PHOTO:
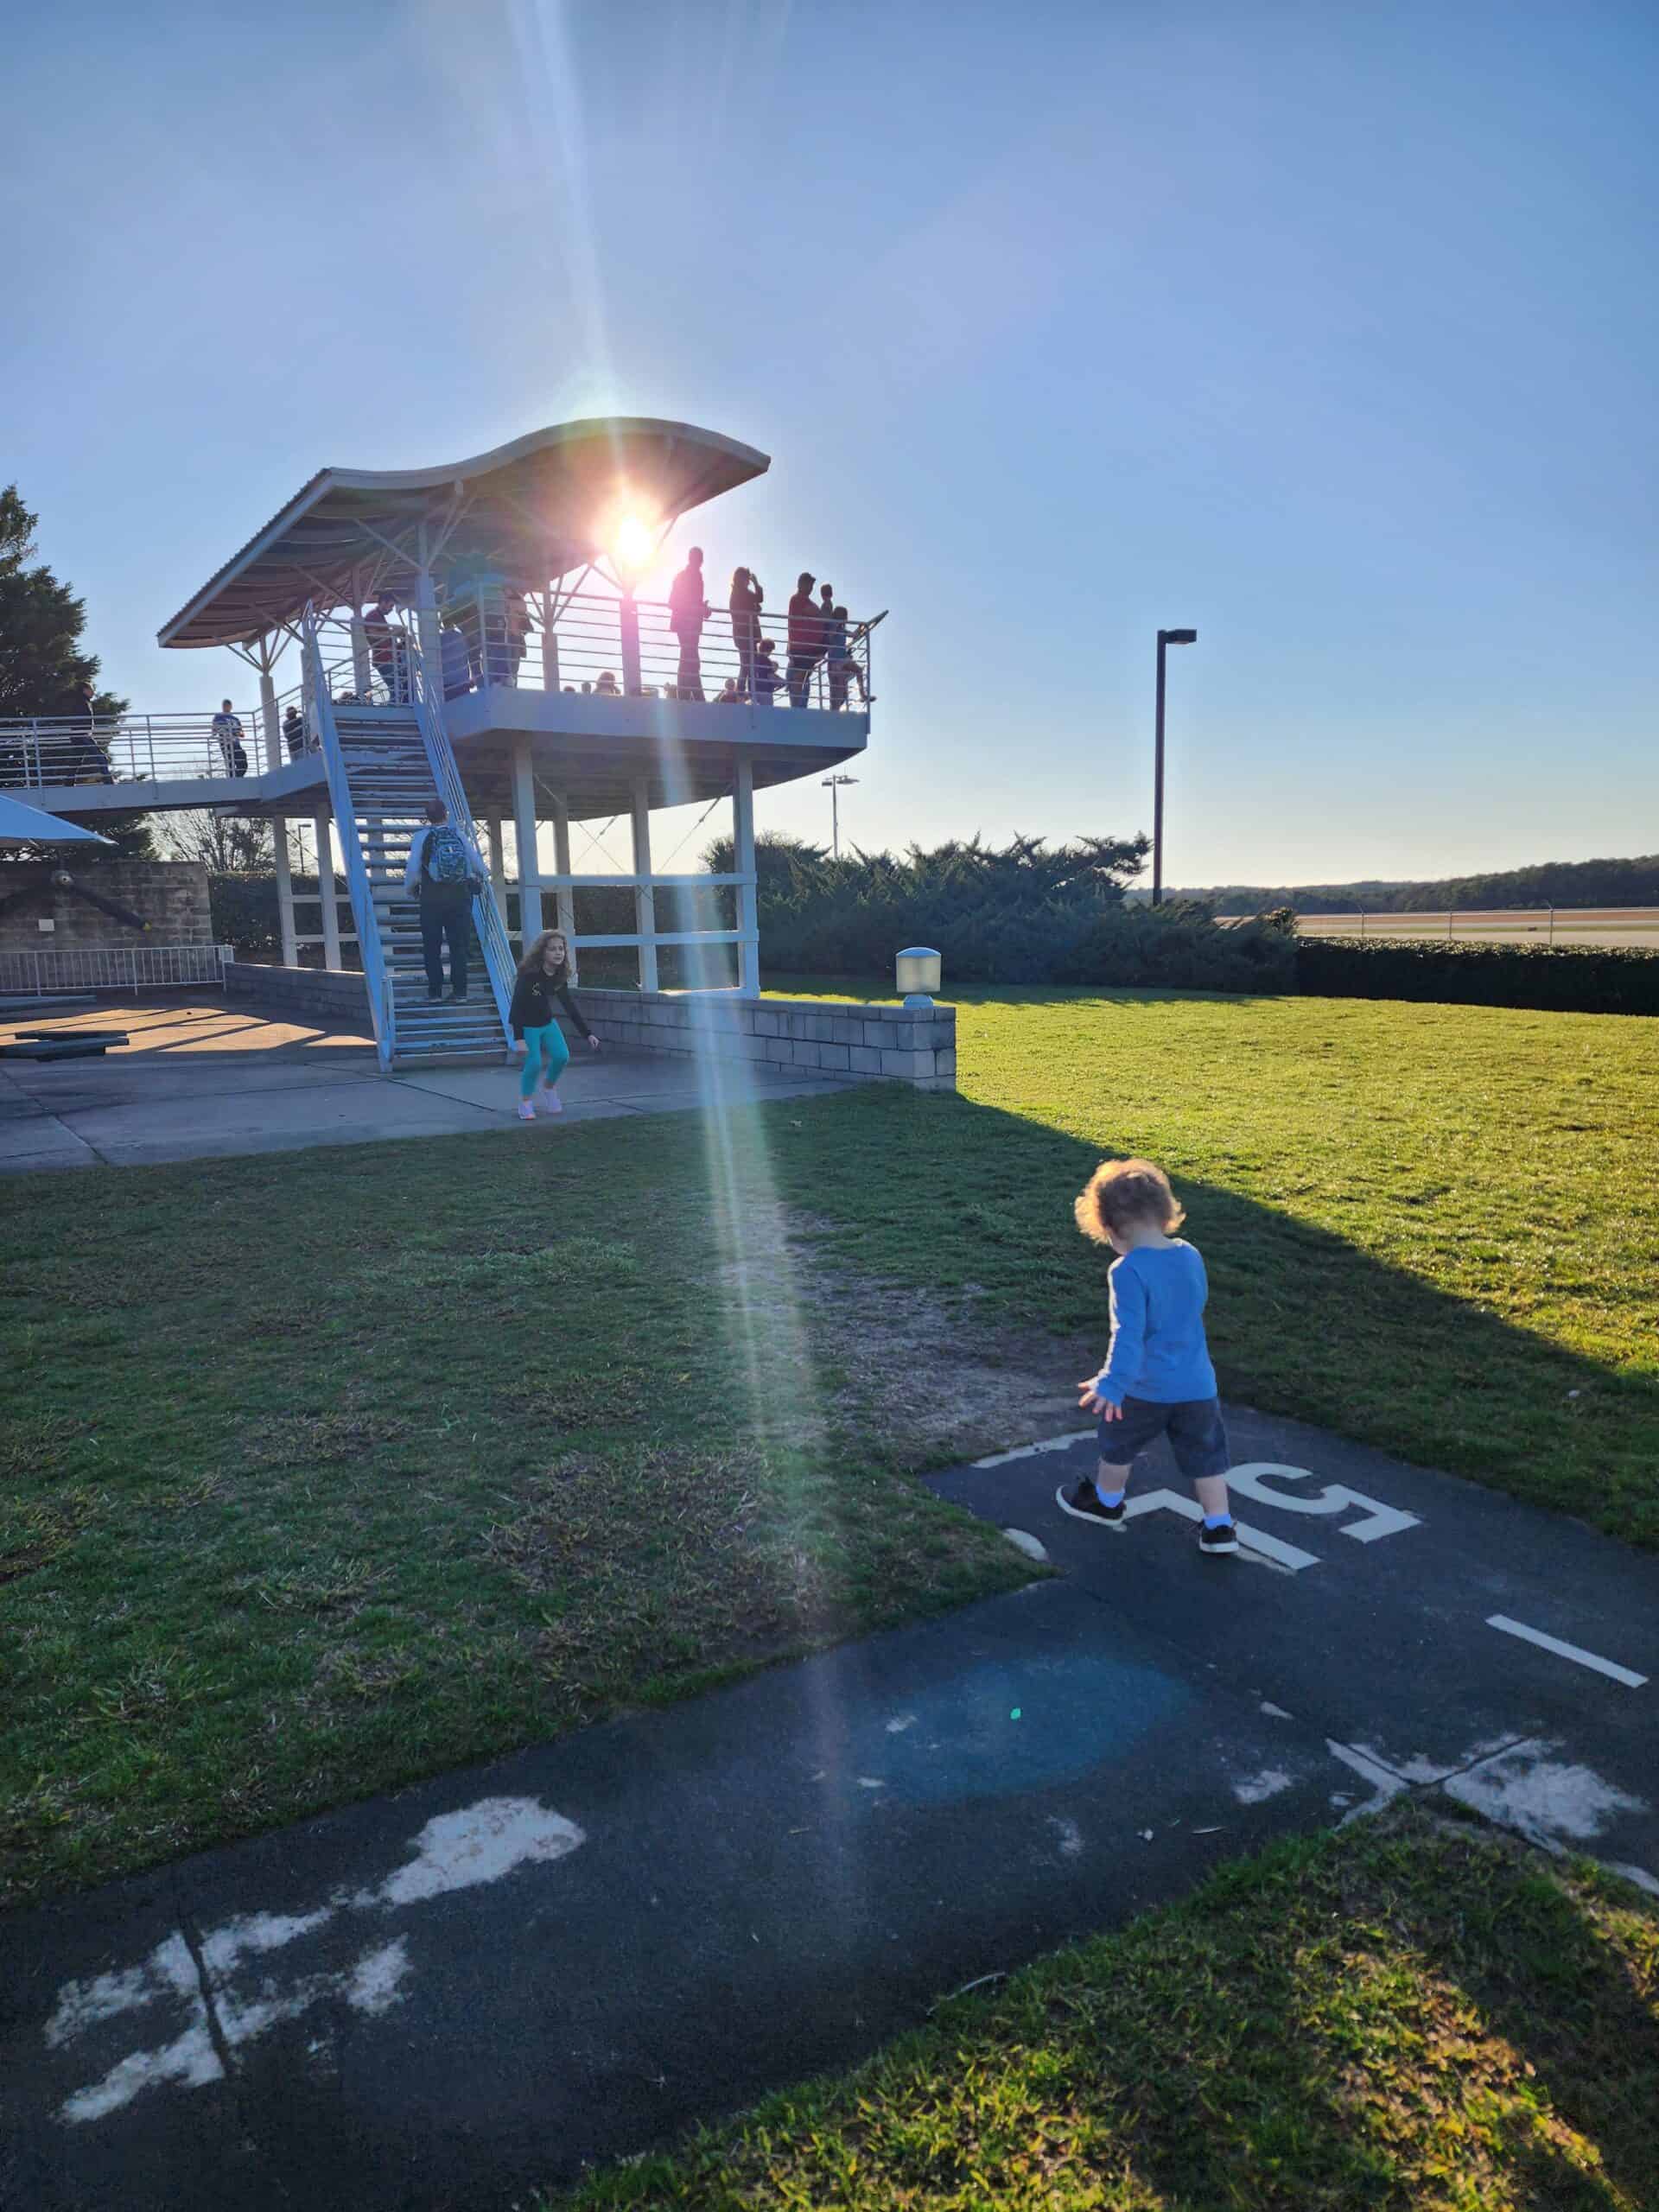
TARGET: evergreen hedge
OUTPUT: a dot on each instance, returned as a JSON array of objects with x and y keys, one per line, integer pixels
[{"x": 1554, "y": 979}]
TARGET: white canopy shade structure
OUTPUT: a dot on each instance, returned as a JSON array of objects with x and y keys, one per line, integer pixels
[
  {"x": 23, "y": 824},
  {"x": 547, "y": 503}
]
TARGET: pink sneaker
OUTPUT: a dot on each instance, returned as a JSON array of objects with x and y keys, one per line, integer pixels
[
  {"x": 552, "y": 1103},
  {"x": 526, "y": 1111}
]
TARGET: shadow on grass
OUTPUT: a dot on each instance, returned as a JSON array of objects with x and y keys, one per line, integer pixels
[{"x": 944, "y": 1191}]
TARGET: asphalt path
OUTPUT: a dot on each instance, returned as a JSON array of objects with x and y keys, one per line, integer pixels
[{"x": 446, "y": 1997}]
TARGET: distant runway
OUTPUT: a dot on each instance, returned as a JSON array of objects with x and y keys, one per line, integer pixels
[{"x": 1603, "y": 926}]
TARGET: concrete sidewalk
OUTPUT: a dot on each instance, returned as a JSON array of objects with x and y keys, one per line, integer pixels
[
  {"x": 448, "y": 1996},
  {"x": 206, "y": 1080}
]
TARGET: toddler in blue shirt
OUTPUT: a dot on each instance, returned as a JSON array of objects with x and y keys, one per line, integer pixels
[{"x": 1157, "y": 1380}]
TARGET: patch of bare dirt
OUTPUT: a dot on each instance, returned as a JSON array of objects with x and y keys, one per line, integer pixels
[{"x": 936, "y": 1375}]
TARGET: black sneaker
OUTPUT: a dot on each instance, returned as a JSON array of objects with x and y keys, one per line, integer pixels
[
  {"x": 1215, "y": 1541},
  {"x": 435, "y": 998},
  {"x": 457, "y": 998},
  {"x": 1084, "y": 1502}
]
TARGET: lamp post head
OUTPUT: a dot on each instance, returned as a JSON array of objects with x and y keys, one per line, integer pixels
[
  {"x": 1177, "y": 637},
  {"x": 916, "y": 971}
]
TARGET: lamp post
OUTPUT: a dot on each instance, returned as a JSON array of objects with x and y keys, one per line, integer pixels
[
  {"x": 832, "y": 784},
  {"x": 1164, "y": 638}
]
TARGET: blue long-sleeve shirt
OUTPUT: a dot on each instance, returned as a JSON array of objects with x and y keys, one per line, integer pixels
[{"x": 1157, "y": 1350}]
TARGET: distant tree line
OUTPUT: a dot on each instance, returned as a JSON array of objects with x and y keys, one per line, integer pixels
[{"x": 1548, "y": 883}]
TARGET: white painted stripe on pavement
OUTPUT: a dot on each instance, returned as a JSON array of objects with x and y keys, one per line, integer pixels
[
  {"x": 1608, "y": 1667},
  {"x": 1253, "y": 1540}
]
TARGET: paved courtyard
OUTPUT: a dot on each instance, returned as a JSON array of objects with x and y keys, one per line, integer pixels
[{"x": 203, "y": 1080}]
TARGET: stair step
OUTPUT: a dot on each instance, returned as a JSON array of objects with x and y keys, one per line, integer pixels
[{"x": 473, "y": 1033}]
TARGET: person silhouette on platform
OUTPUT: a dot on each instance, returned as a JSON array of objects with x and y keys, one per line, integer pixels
[{"x": 688, "y": 610}]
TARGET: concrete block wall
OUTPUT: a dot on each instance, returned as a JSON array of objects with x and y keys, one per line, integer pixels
[
  {"x": 333, "y": 995},
  {"x": 170, "y": 895},
  {"x": 830, "y": 1037}
]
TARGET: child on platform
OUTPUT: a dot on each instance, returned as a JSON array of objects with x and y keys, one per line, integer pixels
[
  {"x": 544, "y": 975},
  {"x": 766, "y": 677},
  {"x": 1157, "y": 1380}
]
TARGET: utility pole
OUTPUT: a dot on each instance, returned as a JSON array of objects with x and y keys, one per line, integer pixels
[{"x": 1164, "y": 638}]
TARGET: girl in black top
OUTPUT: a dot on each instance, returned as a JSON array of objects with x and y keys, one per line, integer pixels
[{"x": 544, "y": 975}]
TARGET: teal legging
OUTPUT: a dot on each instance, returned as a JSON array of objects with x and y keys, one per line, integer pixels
[{"x": 547, "y": 1045}]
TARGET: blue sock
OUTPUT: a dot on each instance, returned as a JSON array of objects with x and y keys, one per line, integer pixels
[
  {"x": 1218, "y": 1520},
  {"x": 1109, "y": 1496}
]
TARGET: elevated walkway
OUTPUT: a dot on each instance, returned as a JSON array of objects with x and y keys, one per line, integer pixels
[{"x": 592, "y": 691}]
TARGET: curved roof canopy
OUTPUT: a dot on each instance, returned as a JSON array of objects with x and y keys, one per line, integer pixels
[{"x": 532, "y": 510}]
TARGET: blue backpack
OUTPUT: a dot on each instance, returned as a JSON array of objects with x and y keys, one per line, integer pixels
[{"x": 445, "y": 858}]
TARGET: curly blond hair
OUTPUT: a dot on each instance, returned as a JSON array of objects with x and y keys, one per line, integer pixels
[{"x": 1124, "y": 1190}]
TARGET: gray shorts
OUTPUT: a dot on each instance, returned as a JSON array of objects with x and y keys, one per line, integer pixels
[{"x": 1197, "y": 1434}]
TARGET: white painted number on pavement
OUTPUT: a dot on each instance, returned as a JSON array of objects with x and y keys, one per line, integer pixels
[{"x": 1381, "y": 1520}]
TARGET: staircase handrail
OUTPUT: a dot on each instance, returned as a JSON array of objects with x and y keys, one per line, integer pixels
[
  {"x": 499, "y": 963},
  {"x": 375, "y": 974}
]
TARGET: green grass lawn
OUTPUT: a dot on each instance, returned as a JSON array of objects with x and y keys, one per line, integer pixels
[
  {"x": 1400, "y": 2018},
  {"x": 1434, "y": 1228},
  {"x": 321, "y": 1471}
]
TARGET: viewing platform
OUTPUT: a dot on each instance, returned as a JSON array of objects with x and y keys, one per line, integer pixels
[
  {"x": 591, "y": 744},
  {"x": 473, "y": 632}
]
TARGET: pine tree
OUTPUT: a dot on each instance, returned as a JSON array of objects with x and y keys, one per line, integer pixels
[{"x": 43, "y": 668}]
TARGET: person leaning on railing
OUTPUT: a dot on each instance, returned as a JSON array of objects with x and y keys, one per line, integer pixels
[
  {"x": 745, "y": 603},
  {"x": 227, "y": 732},
  {"x": 88, "y": 763},
  {"x": 806, "y": 638}
]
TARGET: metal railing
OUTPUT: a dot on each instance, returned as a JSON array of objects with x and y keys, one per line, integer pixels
[
  {"x": 603, "y": 647},
  {"x": 124, "y": 967},
  {"x": 598, "y": 646},
  {"x": 38, "y": 754},
  {"x": 446, "y": 780}
]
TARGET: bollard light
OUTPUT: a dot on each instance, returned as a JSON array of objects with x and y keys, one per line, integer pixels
[{"x": 918, "y": 974}]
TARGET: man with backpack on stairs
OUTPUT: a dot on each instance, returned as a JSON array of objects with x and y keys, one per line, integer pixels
[{"x": 445, "y": 871}]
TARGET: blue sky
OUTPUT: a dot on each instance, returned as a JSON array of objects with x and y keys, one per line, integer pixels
[{"x": 1329, "y": 329}]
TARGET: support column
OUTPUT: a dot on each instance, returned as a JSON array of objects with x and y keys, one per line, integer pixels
[
  {"x": 561, "y": 867},
  {"x": 628, "y": 609},
  {"x": 524, "y": 825},
  {"x": 428, "y": 632},
  {"x": 549, "y": 643},
  {"x": 748, "y": 947},
  {"x": 268, "y": 715},
  {"x": 285, "y": 891},
  {"x": 644, "y": 903},
  {"x": 322, "y": 829},
  {"x": 498, "y": 866}
]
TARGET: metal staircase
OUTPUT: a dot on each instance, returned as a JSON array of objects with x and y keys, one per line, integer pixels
[{"x": 383, "y": 764}]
